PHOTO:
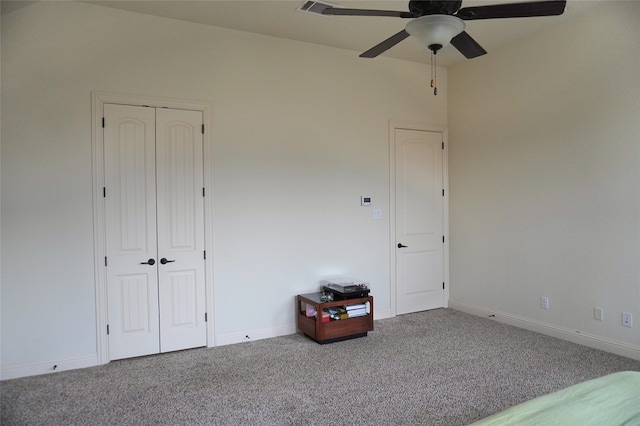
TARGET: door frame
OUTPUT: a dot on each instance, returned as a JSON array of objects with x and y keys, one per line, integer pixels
[
  {"x": 393, "y": 126},
  {"x": 98, "y": 99}
]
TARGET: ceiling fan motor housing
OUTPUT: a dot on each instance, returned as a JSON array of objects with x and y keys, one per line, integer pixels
[
  {"x": 435, "y": 31},
  {"x": 432, "y": 7}
]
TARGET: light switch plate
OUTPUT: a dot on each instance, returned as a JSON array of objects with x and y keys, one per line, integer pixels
[{"x": 598, "y": 314}]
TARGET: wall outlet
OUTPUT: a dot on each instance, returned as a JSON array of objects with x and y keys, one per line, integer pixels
[
  {"x": 544, "y": 302},
  {"x": 627, "y": 319},
  {"x": 598, "y": 314}
]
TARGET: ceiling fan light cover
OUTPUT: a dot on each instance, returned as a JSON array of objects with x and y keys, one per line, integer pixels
[{"x": 435, "y": 31}]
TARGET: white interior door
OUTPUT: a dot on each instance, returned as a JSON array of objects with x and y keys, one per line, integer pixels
[
  {"x": 419, "y": 220},
  {"x": 154, "y": 211},
  {"x": 130, "y": 219},
  {"x": 180, "y": 229}
]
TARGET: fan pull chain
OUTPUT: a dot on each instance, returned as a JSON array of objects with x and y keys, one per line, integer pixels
[
  {"x": 432, "y": 81},
  {"x": 433, "y": 73}
]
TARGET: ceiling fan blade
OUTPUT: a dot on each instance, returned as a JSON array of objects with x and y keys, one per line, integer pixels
[
  {"x": 467, "y": 45},
  {"x": 513, "y": 10},
  {"x": 366, "y": 12},
  {"x": 385, "y": 45}
]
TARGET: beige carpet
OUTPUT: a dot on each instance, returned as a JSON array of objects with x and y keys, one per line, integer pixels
[{"x": 440, "y": 367}]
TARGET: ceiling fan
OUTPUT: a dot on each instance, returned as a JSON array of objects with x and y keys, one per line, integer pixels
[{"x": 438, "y": 23}]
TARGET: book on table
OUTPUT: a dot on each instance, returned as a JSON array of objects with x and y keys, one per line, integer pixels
[
  {"x": 347, "y": 311},
  {"x": 357, "y": 312},
  {"x": 355, "y": 307}
]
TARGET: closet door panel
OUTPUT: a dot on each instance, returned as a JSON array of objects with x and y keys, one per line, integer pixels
[
  {"x": 180, "y": 219},
  {"x": 130, "y": 222}
]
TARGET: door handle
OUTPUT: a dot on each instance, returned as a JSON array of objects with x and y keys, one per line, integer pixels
[
  {"x": 400, "y": 245},
  {"x": 148, "y": 262},
  {"x": 164, "y": 261}
]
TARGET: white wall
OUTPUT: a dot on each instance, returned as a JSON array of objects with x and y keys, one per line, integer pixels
[
  {"x": 300, "y": 132},
  {"x": 545, "y": 180}
]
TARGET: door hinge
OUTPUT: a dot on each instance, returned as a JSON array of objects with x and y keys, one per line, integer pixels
[
  {"x": 205, "y": 254},
  {"x": 103, "y": 122},
  {"x": 107, "y": 329},
  {"x": 105, "y": 261},
  {"x": 443, "y": 192},
  {"x": 203, "y": 129},
  {"x": 104, "y": 192},
  {"x": 203, "y": 192},
  {"x": 442, "y": 145},
  {"x": 205, "y": 317},
  {"x": 443, "y": 286},
  {"x": 443, "y": 238}
]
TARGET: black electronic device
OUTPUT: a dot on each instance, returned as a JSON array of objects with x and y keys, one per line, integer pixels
[{"x": 346, "y": 290}]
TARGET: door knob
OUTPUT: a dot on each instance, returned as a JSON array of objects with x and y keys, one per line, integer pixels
[
  {"x": 400, "y": 245},
  {"x": 164, "y": 261},
  {"x": 148, "y": 262}
]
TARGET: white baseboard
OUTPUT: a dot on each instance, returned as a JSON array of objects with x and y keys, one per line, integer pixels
[
  {"x": 379, "y": 314},
  {"x": 256, "y": 334},
  {"x": 33, "y": 369},
  {"x": 586, "y": 339},
  {"x": 265, "y": 333}
]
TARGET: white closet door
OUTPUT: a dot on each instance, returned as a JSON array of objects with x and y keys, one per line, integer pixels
[
  {"x": 180, "y": 229},
  {"x": 154, "y": 208},
  {"x": 130, "y": 203},
  {"x": 419, "y": 221}
]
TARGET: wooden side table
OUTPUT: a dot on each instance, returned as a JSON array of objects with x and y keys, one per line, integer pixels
[{"x": 333, "y": 330}]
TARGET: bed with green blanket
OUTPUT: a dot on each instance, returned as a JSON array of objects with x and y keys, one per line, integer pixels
[{"x": 607, "y": 401}]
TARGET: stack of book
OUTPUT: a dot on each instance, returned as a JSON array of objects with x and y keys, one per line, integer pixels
[
  {"x": 344, "y": 312},
  {"x": 357, "y": 310}
]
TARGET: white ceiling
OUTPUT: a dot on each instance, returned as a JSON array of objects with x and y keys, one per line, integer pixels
[{"x": 279, "y": 18}]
